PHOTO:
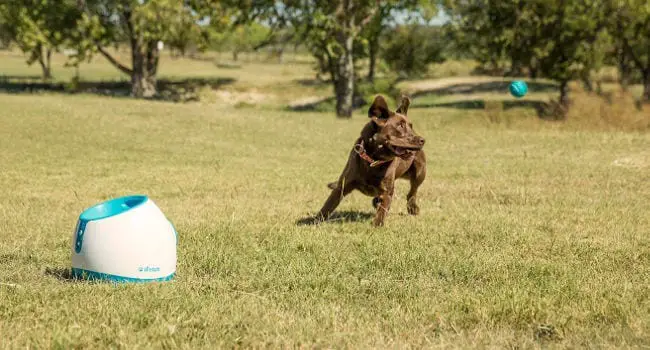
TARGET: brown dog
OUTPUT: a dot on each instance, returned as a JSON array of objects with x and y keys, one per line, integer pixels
[{"x": 387, "y": 149}]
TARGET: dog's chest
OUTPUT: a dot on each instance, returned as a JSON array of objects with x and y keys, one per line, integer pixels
[
  {"x": 369, "y": 190},
  {"x": 371, "y": 183}
]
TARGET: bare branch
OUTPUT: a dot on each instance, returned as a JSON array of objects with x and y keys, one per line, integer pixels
[{"x": 113, "y": 61}]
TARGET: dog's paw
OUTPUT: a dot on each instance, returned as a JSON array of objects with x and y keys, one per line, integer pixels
[{"x": 412, "y": 207}]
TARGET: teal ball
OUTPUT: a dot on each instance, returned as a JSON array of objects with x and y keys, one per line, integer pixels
[{"x": 518, "y": 88}]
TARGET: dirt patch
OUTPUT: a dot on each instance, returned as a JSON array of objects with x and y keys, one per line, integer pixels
[
  {"x": 633, "y": 161},
  {"x": 433, "y": 84},
  {"x": 250, "y": 97}
]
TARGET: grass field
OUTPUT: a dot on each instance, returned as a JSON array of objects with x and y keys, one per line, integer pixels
[{"x": 531, "y": 234}]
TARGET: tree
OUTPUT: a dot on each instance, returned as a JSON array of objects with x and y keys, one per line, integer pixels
[
  {"x": 558, "y": 38},
  {"x": 39, "y": 28},
  {"x": 241, "y": 38},
  {"x": 5, "y": 37},
  {"x": 630, "y": 27},
  {"x": 484, "y": 28},
  {"x": 410, "y": 11},
  {"x": 185, "y": 35},
  {"x": 143, "y": 24},
  {"x": 330, "y": 29},
  {"x": 574, "y": 28},
  {"x": 410, "y": 49}
]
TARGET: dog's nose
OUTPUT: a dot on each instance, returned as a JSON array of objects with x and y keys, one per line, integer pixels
[{"x": 420, "y": 141}]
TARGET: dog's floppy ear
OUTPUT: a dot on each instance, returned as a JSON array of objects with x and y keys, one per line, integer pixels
[
  {"x": 379, "y": 108},
  {"x": 404, "y": 104}
]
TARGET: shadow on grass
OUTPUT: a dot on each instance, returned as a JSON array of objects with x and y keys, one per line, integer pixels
[
  {"x": 63, "y": 274},
  {"x": 228, "y": 65},
  {"x": 338, "y": 217},
  {"x": 480, "y": 104},
  {"x": 312, "y": 105},
  {"x": 312, "y": 82},
  {"x": 169, "y": 89},
  {"x": 484, "y": 87},
  {"x": 29, "y": 78},
  {"x": 322, "y": 104},
  {"x": 327, "y": 104}
]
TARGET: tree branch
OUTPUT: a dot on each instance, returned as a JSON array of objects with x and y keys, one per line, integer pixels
[
  {"x": 113, "y": 61},
  {"x": 368, "y": 18},
  {"x": 83, "y": 6},
  {"x": 270, "y": 37}
]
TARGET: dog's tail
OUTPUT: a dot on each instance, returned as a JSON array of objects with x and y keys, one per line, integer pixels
[{"x": 331, "y": 185}]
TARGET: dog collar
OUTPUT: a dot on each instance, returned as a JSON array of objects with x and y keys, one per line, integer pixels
[{"x": 361, "y": 151}]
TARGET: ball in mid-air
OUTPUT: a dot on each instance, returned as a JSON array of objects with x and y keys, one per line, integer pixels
[{"x": 518, "y": 88}]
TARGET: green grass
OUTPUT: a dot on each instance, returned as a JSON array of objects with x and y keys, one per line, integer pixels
[
  {"x": 270, "y": 83},
  {"x": 531, "y": 235}
]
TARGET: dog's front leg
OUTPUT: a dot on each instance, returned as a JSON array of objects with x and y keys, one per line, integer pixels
[{"x": 387, "y": 189}]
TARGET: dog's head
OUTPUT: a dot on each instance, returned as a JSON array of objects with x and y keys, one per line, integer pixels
[{"x": 393, "y": 130}]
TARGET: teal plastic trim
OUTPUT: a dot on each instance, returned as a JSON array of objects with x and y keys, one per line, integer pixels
[
  {"x": 112, "y": 207},
  {"x": 175, "y": 233},
  {"x": 81, "y": 229},
  {"x": 92, "y": 275},
  {"x": 104, "y": 210}
]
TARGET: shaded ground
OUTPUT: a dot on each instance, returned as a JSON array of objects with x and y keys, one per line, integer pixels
[
  {"x": 462, "y": 93},
  {"x": 169, "y": 89},
  {"x": 483, "y": 87}
]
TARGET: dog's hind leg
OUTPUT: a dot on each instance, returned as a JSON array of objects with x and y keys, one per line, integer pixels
[{"x": 341, "y": 190}]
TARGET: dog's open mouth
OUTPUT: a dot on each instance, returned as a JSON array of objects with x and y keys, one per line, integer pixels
[{"x": 402, "y": 151}]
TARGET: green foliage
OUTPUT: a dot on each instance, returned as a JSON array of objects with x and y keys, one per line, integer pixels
[
  {"x": 39, "y": 27},
  {"x": 561, "y": 39},
  {"x": 630, "y": 28},
  {"x": 386, "y": 87},
  {"x": 577, "y": 25},
  {"x": 243, "y": 38},
  {"x": 410, "y": 49},
  {"x": 169, "y": 21},
  {"x": 483, "y": 28},
  {"x": 340, "y": 32},
  {"x": 143, "y": 25}
]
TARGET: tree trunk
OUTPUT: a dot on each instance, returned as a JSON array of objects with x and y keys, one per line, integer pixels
[
  {"x": 372, "y": 53},
  {"x": 533, "y": 68},
  {"x": 646, "y": 86},
  {"x": 344, "y": 83},
  {"x": 280, "y": 54},
  {"x": 588, "y": 84},
  {"x": 623, "y": 70},
  {"x": 564, "y": 94},
  {"x": 235, "y": 55},
  {"x": 145, "y": 68},
  {"x": 516, "y": 68},
  {"x": 144, "y": 61},
  {"x": 45, "y": 60}
]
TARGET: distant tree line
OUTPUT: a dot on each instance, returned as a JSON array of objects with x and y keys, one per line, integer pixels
[{"x": 563, "y": 40}]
